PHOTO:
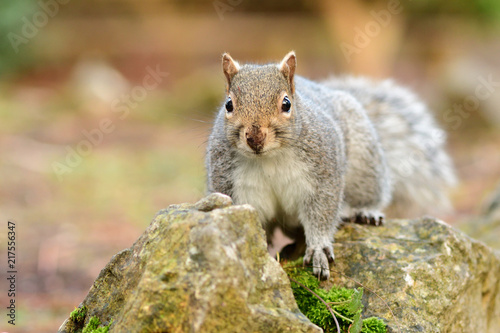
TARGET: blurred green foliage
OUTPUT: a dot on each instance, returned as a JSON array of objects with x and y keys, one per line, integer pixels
[
  {"x": 477, "y": 9},
  {"x": 11, "y": 21},
  {"x": 482, "y": 11}
]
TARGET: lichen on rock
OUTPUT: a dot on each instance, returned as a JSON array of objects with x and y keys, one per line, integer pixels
[
  {"x": 197, "y": 268},
  {"x": 431, "y": 276},
  {"x": 204, "y": 267}
]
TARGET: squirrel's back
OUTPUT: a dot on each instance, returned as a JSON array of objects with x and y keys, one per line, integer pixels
[{"x": 413, "y": 144}]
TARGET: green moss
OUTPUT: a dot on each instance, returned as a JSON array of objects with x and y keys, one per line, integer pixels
[
  {"x": 93, "y": 326},
  {"x": 78, "y": 314},
  {"x": 373, "y": 325},
  {"x": 346, "y": 303}
]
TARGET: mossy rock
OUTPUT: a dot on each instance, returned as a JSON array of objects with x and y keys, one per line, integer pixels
[
  {"x": 420, "y": 276},
  {"x": 329, "y": 307},
  {"x": 197, "y": 268},
  {"x": 205, "y": 268}
]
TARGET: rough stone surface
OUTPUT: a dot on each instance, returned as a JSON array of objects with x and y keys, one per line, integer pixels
[
  {"x": 197, "y": 268},
  {"x": 204, "y": 268},
  {"x": 433, "y": 277}
]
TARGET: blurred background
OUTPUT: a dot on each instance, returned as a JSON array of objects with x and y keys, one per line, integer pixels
[{"x": 105, "y": 107}]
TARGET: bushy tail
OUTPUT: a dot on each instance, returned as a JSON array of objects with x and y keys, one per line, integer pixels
[
  {"x": 421, "y": 179},
  {"x": 413, "y": 144}
]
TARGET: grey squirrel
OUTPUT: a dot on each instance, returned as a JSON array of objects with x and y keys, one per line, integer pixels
[{"x": 306, "y": 154}]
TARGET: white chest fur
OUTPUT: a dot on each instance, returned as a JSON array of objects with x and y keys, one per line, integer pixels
[{"x": 275, "y": 184}]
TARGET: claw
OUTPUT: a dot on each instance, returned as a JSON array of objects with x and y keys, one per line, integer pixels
[
  {"x": 329, "y": 254},
  {"x": 368, "y": 218},
  {"x": 380, "y": 220}
]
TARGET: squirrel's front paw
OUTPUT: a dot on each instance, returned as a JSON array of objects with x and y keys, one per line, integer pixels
[{"x": 320, "y": 258}]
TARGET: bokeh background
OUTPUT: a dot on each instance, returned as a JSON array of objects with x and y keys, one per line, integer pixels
[{"x": 92, "y": 144}]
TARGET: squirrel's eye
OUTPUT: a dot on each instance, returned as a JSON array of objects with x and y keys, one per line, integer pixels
[
  {"x": 229, "y": 105},
  {"x": 286, "y": 105}
]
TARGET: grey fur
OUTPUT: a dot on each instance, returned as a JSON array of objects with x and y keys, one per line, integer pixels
[
  {"x": 349, "y": 146},
  {"x": 413, "y": 144}
]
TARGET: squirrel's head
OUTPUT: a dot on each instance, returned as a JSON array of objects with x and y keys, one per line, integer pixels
[{"x": 259, "y": 107}]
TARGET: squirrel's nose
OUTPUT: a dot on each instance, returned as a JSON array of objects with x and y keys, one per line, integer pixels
[{"x": 255, "y": 137}]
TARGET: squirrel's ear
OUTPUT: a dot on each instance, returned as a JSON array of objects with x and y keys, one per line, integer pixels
[
  {"x": 229, "y": 66},
  {"x": 287, "y": 67}
]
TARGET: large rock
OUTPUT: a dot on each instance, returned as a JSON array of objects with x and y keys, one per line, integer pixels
[
  {"x": 204, "y": 268},
  {"x": 433, "y": 277},
  {"x": 197, "y": 268}
]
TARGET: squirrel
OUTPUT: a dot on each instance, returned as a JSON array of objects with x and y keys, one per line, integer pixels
[{"x": 306, "y": 154}]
